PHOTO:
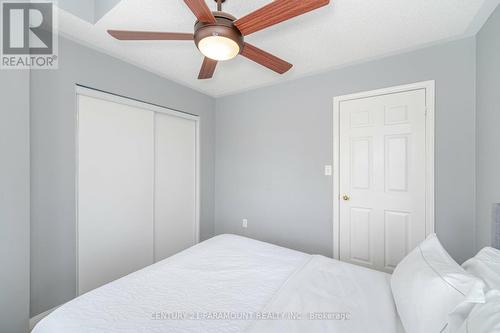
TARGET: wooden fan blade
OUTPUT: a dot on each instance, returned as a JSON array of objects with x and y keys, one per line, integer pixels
[
  {"x": 201, "y": 11},
  {"x": 265, "y": 59},
  {"x": 276, "y": 12},
  {"x": 207, "y": 69},
  {"x": 149, "y": 35}
]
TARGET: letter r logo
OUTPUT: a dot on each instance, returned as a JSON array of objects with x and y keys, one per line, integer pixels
[{"x": 27, "y": 28}]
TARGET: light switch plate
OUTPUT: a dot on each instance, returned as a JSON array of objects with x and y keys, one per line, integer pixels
[
  {"x": 244, "y": 223},
  {"x": 328, "y": 170}
]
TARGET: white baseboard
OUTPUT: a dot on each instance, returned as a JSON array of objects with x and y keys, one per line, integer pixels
[{"x": 37, "y": 318}]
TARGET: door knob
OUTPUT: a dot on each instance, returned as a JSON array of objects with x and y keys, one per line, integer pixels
[{"x": 346, "y": 197}]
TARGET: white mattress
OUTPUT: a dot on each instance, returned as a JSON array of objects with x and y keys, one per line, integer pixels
[{"x": 222, "y": 284}]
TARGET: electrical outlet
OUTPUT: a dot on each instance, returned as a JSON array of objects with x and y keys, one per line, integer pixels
[{"x": 244, "y": 223}]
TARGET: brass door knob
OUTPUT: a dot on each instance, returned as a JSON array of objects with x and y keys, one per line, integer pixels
[{"x": 346, "y": 197}]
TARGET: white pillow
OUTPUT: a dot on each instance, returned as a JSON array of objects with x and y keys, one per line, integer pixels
[
  {"x": 485, "y": 265},
  {"x": 428, "y": 285},
  {"x": 484, "y": 318}
]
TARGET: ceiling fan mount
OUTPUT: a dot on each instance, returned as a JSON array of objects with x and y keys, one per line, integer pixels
[{"x": 220, "y": 36}]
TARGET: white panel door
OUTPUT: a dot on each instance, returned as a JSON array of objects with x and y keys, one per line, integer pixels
[
  {"x": 175, "y": 185},
  {"x": 115, "y": 190},
  {"x": 382, "y": 178}
]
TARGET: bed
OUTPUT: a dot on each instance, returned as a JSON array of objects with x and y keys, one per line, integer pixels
[{"x": 235, "y": 284}]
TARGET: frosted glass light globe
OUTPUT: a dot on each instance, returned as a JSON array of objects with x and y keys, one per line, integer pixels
[{"x": 219, "y": 48}]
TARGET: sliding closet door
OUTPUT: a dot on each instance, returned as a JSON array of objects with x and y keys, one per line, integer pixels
[
  {"x": 175, "y": 189},
  {"x": 115, "y": 190}
]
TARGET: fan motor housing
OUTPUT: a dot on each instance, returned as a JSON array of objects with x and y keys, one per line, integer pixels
[{"x": 224, "y": 28}]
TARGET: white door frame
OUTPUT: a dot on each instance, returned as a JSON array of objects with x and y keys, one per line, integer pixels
[
  {"x": 429, "y": 87},
  {"x": 110, "y": 97}
]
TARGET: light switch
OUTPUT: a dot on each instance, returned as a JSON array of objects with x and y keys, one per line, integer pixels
[
  {"x": 244, "y": 223},
  {"x": 328, "y": 170}
]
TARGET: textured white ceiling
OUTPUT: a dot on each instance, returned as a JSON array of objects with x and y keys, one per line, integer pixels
[{"x": 344, "y": 32}]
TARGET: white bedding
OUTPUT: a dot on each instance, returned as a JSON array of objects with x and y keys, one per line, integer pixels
[
  {"x": 332, "y": 296},
  {"x": 236, "y": 277}
]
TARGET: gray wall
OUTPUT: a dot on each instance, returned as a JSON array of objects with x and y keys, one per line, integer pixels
[
  {"x": 53, "y": 225},
  {"x": 272, "y": 144},
  {"x": 14, "y": 200},
  {"x": 488, "y": 126}
]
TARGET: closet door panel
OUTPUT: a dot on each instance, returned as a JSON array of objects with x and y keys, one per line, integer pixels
[
  {"x": 115, "y": 191},
  {"x": 175, "y": 185}
]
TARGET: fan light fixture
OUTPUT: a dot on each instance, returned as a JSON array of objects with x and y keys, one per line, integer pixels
[
  {"x": 220, "y": 41},
  {"x": 220, "y": 36},
  {"x": 218, "y": 48}
]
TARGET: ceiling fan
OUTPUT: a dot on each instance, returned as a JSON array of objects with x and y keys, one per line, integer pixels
[{"x": 220, "y": 36}]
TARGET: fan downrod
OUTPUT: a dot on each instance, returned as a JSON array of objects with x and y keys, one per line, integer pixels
[{"x": 219, "y": 4}]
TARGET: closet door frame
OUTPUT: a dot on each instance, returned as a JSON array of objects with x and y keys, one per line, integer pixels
[{"x": 111, "y": 97}]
